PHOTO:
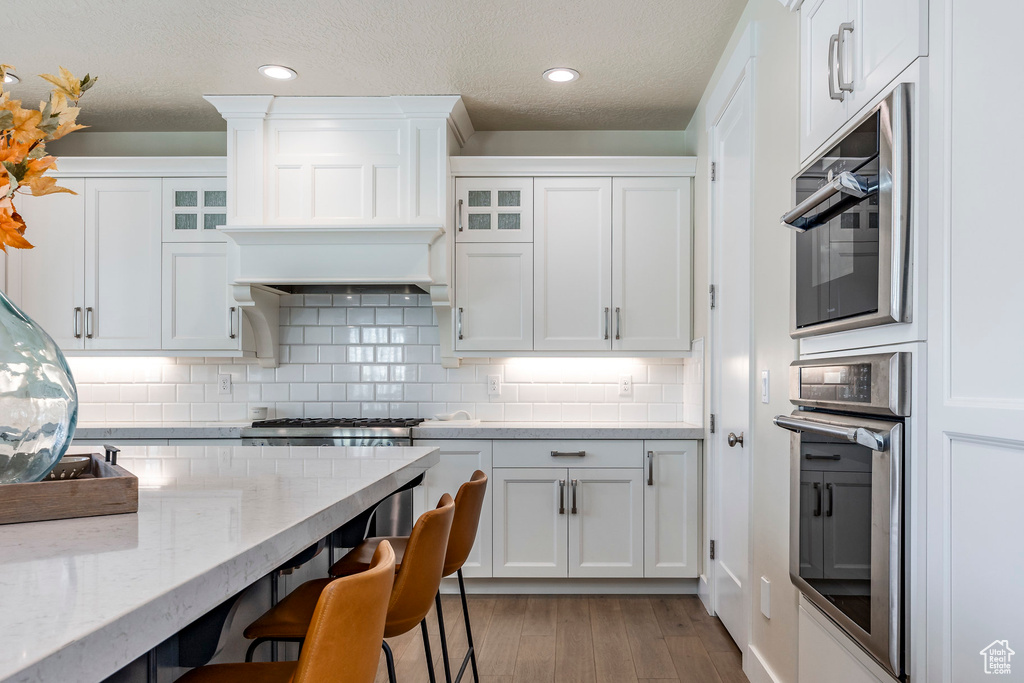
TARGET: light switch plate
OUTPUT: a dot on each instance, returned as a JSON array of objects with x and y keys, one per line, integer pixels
[
  {"x": 764, "y": 386},
  {"x": 626, "y": 385},
  {"x": 494, "y": 385},
  {"x": 766, "y": 597}
]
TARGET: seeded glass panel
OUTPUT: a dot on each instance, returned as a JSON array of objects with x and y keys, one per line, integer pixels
[
  {"x": 186, "y": 221},
  {"x": 212, "y": 221},
  {"x": 186, "y": 198},
  {"x": 479, "y": 197},
  {"x": 508, "y": 221},
  {"x": 215, "y": 198},
  {"x": 479, "y": 221},
  {"x": 508, "y": 198}
]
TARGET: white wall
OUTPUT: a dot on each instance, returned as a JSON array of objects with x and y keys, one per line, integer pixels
[
  {"x": 775, "y": 161},
  {"x": 576, "y": 143},
  {"x": 137, "y": 144}
]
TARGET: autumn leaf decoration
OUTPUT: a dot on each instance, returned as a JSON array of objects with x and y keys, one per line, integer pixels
[{"x": 23, "y": 137}]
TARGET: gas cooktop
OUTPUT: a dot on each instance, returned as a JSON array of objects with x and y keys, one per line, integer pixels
[
  {"x": 337, "y": 423},
  {"x": 359, "y": 431}
]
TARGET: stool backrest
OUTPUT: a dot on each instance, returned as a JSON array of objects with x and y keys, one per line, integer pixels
[
  {"x": 343, "y": 641},
  {"x": 419, "y": 577},
  {"x": 469, "y": 502}
]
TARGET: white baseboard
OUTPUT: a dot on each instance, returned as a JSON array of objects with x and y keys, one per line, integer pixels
[
  {"x": 574, "y": 586},
  {"x": 757, "y": 670}
]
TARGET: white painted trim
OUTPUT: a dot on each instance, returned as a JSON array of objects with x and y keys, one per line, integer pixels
[
  {"x": 141, "y": 167},
  {"x": 792, "y": 5},
  {"x": 470, "y": 166},
  {"x": 573, "y": 586},
  {"x": 360, "y": 233},
  {"x": 757, "y": 670},
  {"x": 732, "y": 75}
]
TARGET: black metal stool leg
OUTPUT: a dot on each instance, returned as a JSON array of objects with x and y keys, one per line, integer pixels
[
  {"x": 426, "y": 651},
  {"x": 389, "y": 658},
  {"x": 444, "y": 638},
  {"x": 469, "y": 632}
]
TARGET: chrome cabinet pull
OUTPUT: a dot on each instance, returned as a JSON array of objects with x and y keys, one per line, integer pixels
[
  {"x": 618, "y": 323},
  {"x": 844, "y": 85},
  {"x": 575, "y": 485},
  {"x": 828, "y": 510},
  {"x": 231, "y": 323},
  {"x": 88, "y": 322},
  {"x": 460, "y": 215},
  {"x": 817, "y": 499},
  {"x": 607, "y": 321},
  {"x": 78, "y": 322},
  {"x": 458, "y": 322},
  {"x": 650, "y": 468},
  {"x": 568, "y": 454},
  {"x": 833, "y": 57},
  {"x": 561, "y": 496}
]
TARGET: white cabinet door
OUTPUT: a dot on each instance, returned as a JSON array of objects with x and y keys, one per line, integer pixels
[
  {"x": 672, "y": 509},
  {"x": 122, "y": 263},
  {"x": 530, "y": 528},
  {"x": 606, "y": 523},
  {"x": 48, "y": 282},
  {"x": 820, "y": 114},
  {"x": 197, "y": 312},
  {"x": 194, "y": 209},
  {"x": 572, "y": 261},
  {"x": 459, "y": 459},
  {"x": 494, "y": 210},
  {"x": 651, "y": 267},
  {"x": 494, "y": 297},
  {"x": 887, "y": 36}
]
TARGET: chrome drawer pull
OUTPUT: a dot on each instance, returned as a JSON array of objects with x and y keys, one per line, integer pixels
[{"x": 568, "y": 454}]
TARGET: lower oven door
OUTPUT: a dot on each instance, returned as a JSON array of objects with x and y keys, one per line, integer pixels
[{"x": 846, "y": 525}]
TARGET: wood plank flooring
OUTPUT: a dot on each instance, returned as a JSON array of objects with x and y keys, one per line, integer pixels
[{"x": 576, "y": 639}]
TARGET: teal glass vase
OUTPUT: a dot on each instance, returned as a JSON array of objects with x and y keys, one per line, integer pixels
[{"x": 38, "y": 399}]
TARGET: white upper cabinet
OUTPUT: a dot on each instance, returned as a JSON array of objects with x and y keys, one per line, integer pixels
[
  {"x": 850, "y": 51},
  {"x": 494, "y": 210},
  {"x": 651, "y": 272},
  {"x": 494, "y": 297},
  {"x": 194, "y": 209},
  {"x": 572, "y": 264},
  {"x": 122, "y": 272},
  {"x": 197, "y": 309}
]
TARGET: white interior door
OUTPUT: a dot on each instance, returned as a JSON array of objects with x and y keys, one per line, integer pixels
[
  {"x": 573, "y": 264},
  {"x": 606, "y": 523},
  {"x": 731, "y": 147}
]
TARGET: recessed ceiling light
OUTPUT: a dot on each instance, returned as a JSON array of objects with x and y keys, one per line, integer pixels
[
  {"x": 561, "y": 75},
  {"x": 10, "y": 79},
  {"x": 278, "y": 73}
]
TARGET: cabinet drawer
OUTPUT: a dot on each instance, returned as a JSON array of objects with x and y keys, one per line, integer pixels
[{"x": 596, "y": 453}]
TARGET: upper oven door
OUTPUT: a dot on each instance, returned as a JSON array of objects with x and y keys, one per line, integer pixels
[
  {"x": 850, "y": 257},
  {"x": 845, "y": 539}
]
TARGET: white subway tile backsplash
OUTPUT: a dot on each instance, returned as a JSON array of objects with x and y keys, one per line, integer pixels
[{"x": 377, "y": 355}]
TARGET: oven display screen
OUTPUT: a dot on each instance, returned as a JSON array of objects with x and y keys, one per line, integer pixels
[{"x": 848, "y": 383}]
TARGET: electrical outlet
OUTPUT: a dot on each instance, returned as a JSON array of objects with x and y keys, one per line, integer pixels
[
  {"x": 494, "y": 385},
  {"x": 626, "y": 385},
  {"x": 764, "y": 386},
  {"x": 223, "y": 384}
]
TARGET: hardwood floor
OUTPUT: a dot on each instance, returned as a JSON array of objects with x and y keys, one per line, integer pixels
[{"x": 577, "y": 639}]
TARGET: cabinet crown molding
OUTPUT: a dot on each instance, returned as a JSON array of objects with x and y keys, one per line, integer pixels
[{"x": 577, "y": 166}]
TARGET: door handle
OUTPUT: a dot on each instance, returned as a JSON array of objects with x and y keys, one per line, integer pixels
[
  {"x": 88, "y": 322},
  {"x": 231, "y": 323},
  {"x": 561, "y": 496},
  {"x": 607, "y": 321},
  {"x": 460, "y": 215},
  {"x": 618, "y": 323},
  {"x": 833, "y": 57},
  {"x": 575, "y": 486},
  {"x": 458, "y": 322},
  {"x": 828, "y": 510},
  {"x": 78, "y": 322},
  {"x": 844, "y": 85},
  {"x": 817, "y": 499},
  {"x": 650, "y": 468},
  {"x": 732, "y": 440}
]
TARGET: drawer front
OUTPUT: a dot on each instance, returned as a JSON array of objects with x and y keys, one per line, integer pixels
[{"x": 595, "y": 453}]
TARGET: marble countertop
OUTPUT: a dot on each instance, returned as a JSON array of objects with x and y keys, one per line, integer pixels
[
  {"x": 83, "y": 597},
  {"x": 559, "y": 430},
  {"x": 160, "y": 430}
]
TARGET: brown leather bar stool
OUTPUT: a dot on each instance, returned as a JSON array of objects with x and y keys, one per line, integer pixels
[
  {"x": 416, "y": 584},
  {"x": 469, "y": 502},
  {"x": 342, "y": 640}
]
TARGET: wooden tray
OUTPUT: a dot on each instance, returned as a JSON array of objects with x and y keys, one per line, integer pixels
[{"x": 104, "y": 489}]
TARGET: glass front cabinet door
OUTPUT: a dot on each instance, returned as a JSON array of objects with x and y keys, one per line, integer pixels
[
  {"x": 194, "y": 209},
  {"x": 494, "y": 209}
]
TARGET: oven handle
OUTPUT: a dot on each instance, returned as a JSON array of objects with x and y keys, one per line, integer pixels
[
  {"x": 846, "y": 182},
  {"x": 859, "y": 435}
]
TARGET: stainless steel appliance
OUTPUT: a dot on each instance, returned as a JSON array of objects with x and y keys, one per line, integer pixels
[
  {"x": 846, "y": 524},
  {"x": 394, "y": 516},
  {"x": 851, "y": 258}
]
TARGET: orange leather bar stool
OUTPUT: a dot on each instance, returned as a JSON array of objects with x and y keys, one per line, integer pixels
[
  {"x": 469, "y": 502},
  {"x": 342, "y": 640},
  {"x": 416, "y": 584}
]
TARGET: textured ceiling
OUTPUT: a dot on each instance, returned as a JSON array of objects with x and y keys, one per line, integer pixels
[{"x": 644, "y": 64}]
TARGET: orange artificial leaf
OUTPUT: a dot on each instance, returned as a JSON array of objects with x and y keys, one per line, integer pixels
[
  {"x": 42, "y": 186},
  {"x": 25, "y": 125},
  {"x": 14, "y": 152},
  {"x": 66, "y": 83},
  {"x": 65, "y": 128},
  {"x": 12, "y": 230}
]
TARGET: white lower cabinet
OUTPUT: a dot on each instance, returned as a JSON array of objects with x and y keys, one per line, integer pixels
[
  {"x": 672, "y": 509},
  {"x": 530, "y": 529},
  {"x": 459, "y": 459},
  {"x": 827, "y": 654},
  {"x": 197, "y": 311},
  {"x": 606, "y": 523}
]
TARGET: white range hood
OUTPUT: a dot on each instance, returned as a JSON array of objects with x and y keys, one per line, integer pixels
[{"x": 340, "y": 190}]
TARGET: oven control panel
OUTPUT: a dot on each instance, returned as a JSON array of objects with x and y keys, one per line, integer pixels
[
  {"x": 878, "y": 384},
  {"x": 847, "y": 382}
]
